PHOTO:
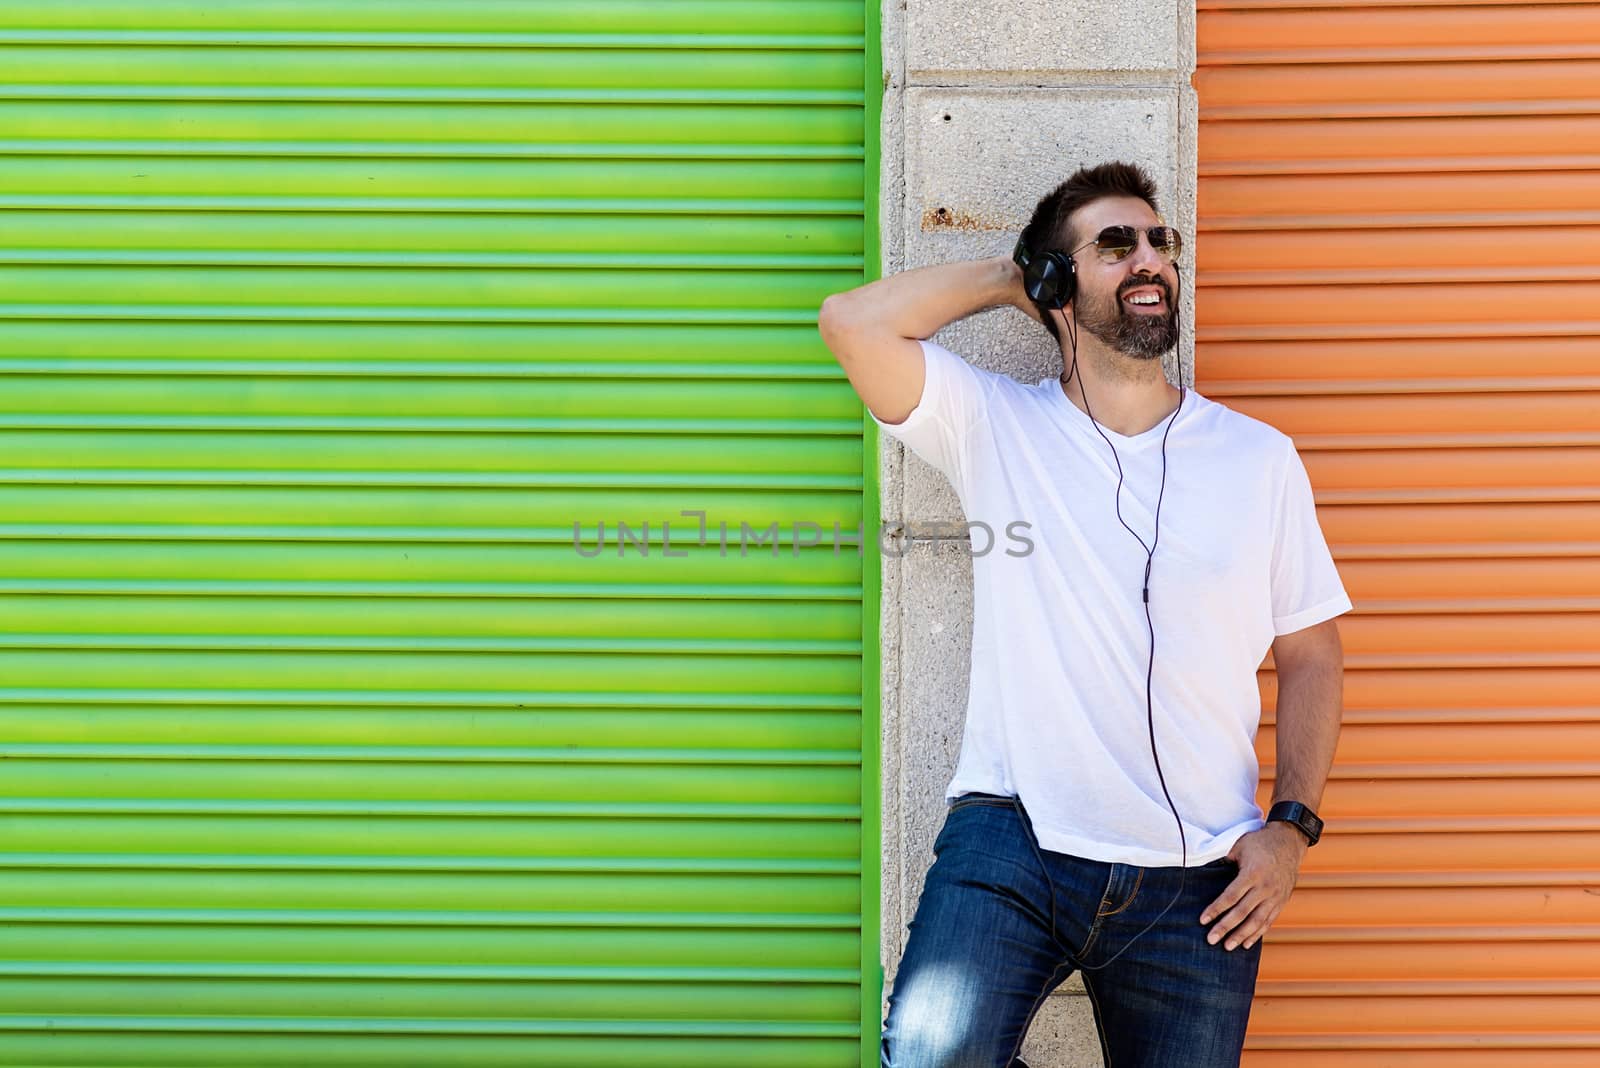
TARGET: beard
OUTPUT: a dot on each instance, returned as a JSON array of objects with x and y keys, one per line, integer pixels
[{"x": 1142, "y": 336}]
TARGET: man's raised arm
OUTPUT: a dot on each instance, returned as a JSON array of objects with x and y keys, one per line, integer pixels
[{"x": 873, "y": 330}]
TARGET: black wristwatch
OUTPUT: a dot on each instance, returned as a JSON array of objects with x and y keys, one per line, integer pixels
[{"x": 1299, "y": 815}]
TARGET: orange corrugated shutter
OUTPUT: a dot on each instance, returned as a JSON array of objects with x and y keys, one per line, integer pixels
[{"x": 1399, "y": 265}]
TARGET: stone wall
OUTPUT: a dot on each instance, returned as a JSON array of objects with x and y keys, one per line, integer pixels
[{"x": 986, "y": 108}]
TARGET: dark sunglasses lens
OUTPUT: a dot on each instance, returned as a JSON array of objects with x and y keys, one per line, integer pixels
[
  {"x": 1167, "y": 242},
  {"x": 1115, "y": 242}
]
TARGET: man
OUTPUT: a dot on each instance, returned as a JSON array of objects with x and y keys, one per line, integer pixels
[{"x": 1102, "y": 817}]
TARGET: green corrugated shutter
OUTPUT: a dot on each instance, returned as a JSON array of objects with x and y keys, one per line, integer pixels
[{"x": 320, "y": 325}]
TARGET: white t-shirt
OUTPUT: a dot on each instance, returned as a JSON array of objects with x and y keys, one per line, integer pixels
[{"x": 1056, "y": 713}]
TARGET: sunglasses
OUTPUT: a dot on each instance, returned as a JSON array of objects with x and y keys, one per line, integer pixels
[{"x": 1116, "y": 243}]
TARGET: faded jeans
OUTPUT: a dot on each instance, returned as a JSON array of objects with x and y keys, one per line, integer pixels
[{"x": 1002, "y": 922}]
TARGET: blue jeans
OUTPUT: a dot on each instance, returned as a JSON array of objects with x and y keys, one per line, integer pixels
[{"x": 1002, "y": 922}]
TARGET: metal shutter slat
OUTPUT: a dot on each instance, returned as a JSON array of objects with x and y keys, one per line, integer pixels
[
  {"x": 1382, "y": 189},
  {"x": 325, "y": 329}
]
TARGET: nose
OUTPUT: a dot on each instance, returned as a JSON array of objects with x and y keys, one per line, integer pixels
[{"x": 1144, "y": 259}]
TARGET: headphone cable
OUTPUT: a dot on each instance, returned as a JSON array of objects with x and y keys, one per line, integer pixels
[{"x": 1149, "y": 680}]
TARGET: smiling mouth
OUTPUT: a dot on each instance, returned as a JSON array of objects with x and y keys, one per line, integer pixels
[{"x": 1146, "y": 301}]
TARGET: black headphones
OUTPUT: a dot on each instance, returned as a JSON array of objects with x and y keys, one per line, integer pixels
[{"x": 1049, "y": 278}]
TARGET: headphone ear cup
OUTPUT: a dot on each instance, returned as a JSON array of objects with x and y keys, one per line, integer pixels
[
  {"x": 1051, "y": 280},
  {"x": 1066, "y": 278},
  {"x": 1038, "y": 281}
]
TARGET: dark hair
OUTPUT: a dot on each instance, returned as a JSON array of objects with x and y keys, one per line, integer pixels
[{"x": 1050, "y": 229}]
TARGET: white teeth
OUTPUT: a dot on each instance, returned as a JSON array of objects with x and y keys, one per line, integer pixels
[{"x": 1146, "y": 299}]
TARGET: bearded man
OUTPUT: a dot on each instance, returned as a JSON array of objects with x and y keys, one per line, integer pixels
[{"x": 1102, "y": 817}]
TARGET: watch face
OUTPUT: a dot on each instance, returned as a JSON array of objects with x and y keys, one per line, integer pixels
[{"x": 1299, "y": 815}]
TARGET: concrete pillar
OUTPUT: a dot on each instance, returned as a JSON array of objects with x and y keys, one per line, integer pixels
[{"x": 987, "y": 108}]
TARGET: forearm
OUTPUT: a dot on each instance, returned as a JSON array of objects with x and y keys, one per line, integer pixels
[
  {"x": 917, "y": 303},
  {"x": 1310, "y": 705},
  {"x": 1310, "y": 667}
]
